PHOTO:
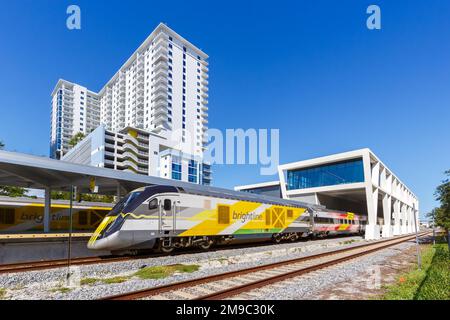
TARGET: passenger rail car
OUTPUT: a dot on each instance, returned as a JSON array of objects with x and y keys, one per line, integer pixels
[
  {"x": 167, "y": 217},
  {"x": 329, "y": 222},
  {"x": 26, "y": 215}
]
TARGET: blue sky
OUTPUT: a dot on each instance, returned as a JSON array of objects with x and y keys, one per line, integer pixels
[{"x": 309, "y": 68}]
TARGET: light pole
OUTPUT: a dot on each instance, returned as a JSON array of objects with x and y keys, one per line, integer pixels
[
  {"x": 69, "y": 244},
  {"x": 419, "y": 259}
]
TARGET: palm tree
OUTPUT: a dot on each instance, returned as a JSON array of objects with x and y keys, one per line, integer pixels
[{"x": 2, "y": 145}]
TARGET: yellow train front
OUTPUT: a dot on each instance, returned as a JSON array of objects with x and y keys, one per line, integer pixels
[{"x": 166, "y": 217}]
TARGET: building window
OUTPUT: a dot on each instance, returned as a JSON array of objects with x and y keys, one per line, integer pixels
[
  {"x": 176, "y": 168},
  {"x": 350, "y": 171},
  {"x": 192, "y": 171}
]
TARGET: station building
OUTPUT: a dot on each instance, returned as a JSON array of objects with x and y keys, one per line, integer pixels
[{"x": 356, "y": 181}]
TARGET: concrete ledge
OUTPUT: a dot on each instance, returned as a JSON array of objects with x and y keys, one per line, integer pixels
[
  {"x": 372, "y": 232},
  {"x": 387, "y": 231}
]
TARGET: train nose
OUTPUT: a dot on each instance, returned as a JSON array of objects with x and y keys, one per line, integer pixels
[{"x": 101, "y": 244}]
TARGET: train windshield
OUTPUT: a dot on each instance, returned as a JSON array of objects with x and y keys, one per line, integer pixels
[{"x": 123, "y": 203}]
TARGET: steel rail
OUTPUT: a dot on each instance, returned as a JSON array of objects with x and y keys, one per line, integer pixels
[
  {"x": 217, "y": 277},
  {"x": 51, "y": 264}
]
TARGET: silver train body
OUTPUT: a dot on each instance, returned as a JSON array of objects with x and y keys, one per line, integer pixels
[{"x": 166, "y": 217}]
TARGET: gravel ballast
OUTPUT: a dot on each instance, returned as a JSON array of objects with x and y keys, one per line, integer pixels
[{"x": 51, "y": 284}]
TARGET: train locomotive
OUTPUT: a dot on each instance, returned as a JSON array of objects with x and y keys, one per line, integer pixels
[{"x": 163, "y": 218}]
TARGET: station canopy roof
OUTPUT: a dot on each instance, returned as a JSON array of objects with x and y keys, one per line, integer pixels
[
  {"x": 28, "y": 171},
  {"x": 23, "y": 170}
]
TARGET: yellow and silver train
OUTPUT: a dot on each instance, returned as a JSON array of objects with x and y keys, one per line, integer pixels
[
  {"x": 19, "y": 215},
  {"x": 166, "y": 217}
]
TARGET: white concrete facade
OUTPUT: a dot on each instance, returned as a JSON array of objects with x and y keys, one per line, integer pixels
[
  {"x": 378, "y": 190},
  {"x": 162, "y": 88}
]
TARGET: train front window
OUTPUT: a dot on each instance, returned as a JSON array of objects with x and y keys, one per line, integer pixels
[{"x": 123, "y": 203}]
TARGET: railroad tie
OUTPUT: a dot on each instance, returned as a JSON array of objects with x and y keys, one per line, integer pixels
[
  {"x": 203, "y": 289},
  {"x": 184, "y": 294}
]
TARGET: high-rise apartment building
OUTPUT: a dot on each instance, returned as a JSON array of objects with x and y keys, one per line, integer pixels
[
  {"x": 161, "y": 88},
  {"x": 74, "y": 109}
]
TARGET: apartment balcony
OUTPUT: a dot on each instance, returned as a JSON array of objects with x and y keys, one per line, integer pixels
[
  {"x": 160, "y": 88},
  {"x": 204, "y": 121},
  {"x": 140, "y": 98},
  {"x": 204, "y": 95},
  {"x": 140, "y": 112},
  {"x": 204, "y": 82},
  {"x": 161, "y": 79},
  {"x": 204, "y": 102},
  {"x": 129, "y": 164},
  {"x": 160, "y": 96},
  {"x": 130, "y": 155},
  {"x": 161, "y": 73},
  {"x": 161, "y": 40},
  {"x": 160, "y": 103},
  {"x": 204, "y": 107},
  {"x": 161, "y": 118},
  {"x": 205, "y": 68},
  {"x": 140, "y": 77},
  {"x": 162, "y": 65},
  {"x": 205, "y": 75},
  {"x": 131, "y": 147},
  {"x": 142, "y": 137},
  {"x": 161, "y": 54},
  {"x": 160, "y": 111}
]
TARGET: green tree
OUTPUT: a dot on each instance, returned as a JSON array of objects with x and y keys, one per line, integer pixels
[
  {"x": 62, "y": 195},
  {"x": 76, "y": 138},
  {"x": 2, "y": 145},
  {"x": 441, "y": 215},
  {"x": 12, "y": 191}
]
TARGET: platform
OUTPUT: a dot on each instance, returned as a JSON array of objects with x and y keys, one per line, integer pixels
[{"x": 15, "y": 248}]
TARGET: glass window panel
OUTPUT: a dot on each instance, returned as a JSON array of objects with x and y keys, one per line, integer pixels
[{"x": 332, "y": 174}]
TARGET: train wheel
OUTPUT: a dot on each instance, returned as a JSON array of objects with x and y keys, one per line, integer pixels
[
  {"x": 164, "y": 249},
  {"x": 294, "y": 237},
  {"x": 277, "y": 238},
  {"x": 206, "y": 245}
]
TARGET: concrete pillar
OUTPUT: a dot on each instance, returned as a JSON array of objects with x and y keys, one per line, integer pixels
[
  {"x": 372, "y": 227},
  {"x": 387, "y": 209},
  {"x": 47, "y": 209},
  {"x": 404, "y": 227},
  {"x": 397, "y": 215}
]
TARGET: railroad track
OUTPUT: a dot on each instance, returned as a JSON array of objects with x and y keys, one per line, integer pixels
[
  {"x": 59, "y": 263},
  {"x": 51, "y": 264},
  {"x": 231, "y": 284}
]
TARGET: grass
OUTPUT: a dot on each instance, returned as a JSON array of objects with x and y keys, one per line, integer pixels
[
  {"x": 91, "y": 281},
  {"x": 2, "y": 293},
  {"x": 348, "y": 241},
  {"x": 115, "y": 280},
  {"x": 432, "y": 282},
  {"x": 159, "y": 272},
  {"x": 61, "y": 290},
  {"x": 88, "y": 281}
]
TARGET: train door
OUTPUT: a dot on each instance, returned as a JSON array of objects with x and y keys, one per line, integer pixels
[{"x": 168, "y": 208}]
